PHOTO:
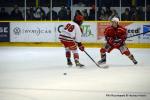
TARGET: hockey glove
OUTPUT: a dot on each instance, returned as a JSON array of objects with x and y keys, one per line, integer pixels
[
  {"x": 81, "y": 47},
  {"x": 110, "y": 40}
]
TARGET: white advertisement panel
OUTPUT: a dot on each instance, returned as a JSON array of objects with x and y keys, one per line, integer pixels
[
  {"x": 32, "y": 32},
  {"x": 133, "y": 29},
  {"x": 58, "y": 27},
  {"x": 138, "y": 28},
  {"x": 89, "y": 31},
  {"x": 92, "y": 31},
  {"x": 145, "y": 38}
]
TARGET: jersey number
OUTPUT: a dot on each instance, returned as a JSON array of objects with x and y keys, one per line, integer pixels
[{"x": 69, "y": 27}]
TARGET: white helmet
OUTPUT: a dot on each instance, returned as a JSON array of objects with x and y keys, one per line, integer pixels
[{"x": 115, "y": 19}]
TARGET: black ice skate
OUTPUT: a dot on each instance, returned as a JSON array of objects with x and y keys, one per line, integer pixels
[
  {"x": 134, "y": 61},
  {"x": 102, "y": 61},
  {"x": 69, "y": 63},
  {"x": 78, "y": 64}
]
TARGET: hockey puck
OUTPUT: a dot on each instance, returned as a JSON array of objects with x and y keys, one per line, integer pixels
[{"x": 65, "y": 73}]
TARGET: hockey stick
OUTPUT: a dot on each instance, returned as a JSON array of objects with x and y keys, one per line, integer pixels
[
  {"x": 138, "y": 34},
  {"x": 91, "y": 59}
]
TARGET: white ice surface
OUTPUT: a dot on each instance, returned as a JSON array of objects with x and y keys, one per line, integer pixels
[{"x": 36, "y": 73}]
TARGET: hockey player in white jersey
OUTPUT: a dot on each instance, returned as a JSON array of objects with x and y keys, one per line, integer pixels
[{"x": 70, "y": 37}]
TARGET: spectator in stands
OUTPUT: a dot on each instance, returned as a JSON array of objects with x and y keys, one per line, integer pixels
[
  {"x": 101, "y": 14},
  {"x": 54, "y": 15},
  {"x": 68, "y": 13},
  {"x": 29, "y": 14},
  {"x": 88, "y": 3},
  {"x": 141, "y": 14},
  {"x": 134, "y": 16},
  {"x": 48, "y": 15},
  {"x": 148, "y": 13},
  {"x": 3, "y": 14},
  {"x": 85, "y": 14},
  {"x": 108, "y": 11},
  {"x": 78, "y": 4},
  {"x": 113, "y": 14},
  {"x": 62, "y": 14},
  {"x": 133, "y": 13},
  {"x": 92, "y": 13},
  {"x": 106, "y": 17},
  {"x": 16, "y": 14},
  {"x": 39, "y": 14},
  {"x": 125, "y": 16}
]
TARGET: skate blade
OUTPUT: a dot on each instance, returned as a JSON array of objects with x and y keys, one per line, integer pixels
[
  {"x": 101, "y": 63},
  {"x": 81, "y": 67},
  {"x": 104, "y": 66},
  {"x": 69, "y": 66}
]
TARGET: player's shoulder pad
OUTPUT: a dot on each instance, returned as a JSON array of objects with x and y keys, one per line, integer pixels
[
  {"x": 108, "y": 28},
  {"x": 122, "y": 28},
  {"x": 76, "y": 25}
]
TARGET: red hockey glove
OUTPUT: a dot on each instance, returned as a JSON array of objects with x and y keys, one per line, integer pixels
[
  {"x": 110, "y": 40},
  {"x": 81, "y": 47}
]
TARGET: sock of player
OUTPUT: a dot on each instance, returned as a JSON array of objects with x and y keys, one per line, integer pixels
[
  {"x": 68, "y": 54},
  {"x": 131, "y": 57},
  {"x": 76, "y": 56},
  {"x": 103, "y": 54}
]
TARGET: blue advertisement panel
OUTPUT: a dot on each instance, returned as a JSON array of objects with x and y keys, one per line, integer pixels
[{"x": 4, "y": 32}]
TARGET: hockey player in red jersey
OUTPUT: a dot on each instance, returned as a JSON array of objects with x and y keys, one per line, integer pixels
[
  {"x": 70, "y": 37},
  {"x": 115, "y": 36}
]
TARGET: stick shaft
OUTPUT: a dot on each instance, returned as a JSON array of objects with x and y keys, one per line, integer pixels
[
  {"x": 138, "y": 34},
  {"x": 91, "y": 58}
]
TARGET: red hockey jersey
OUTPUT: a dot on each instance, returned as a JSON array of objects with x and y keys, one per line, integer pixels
[{"x": 118, "y": 33}]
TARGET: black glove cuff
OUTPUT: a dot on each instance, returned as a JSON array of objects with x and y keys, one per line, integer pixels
[{"x": 79, "y": 44}]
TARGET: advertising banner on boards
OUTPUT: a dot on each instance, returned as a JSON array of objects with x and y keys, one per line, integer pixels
[
  {"x": 32, "y": 32},
  {"x": 4, "y": 32}
]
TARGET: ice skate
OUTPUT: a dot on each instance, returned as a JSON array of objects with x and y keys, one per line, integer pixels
[
  {"x": 102, "y": 61},
  {"x": 69, "y": 63},
  {"x": 134, "y": 61},
  {"x": 78, "y": 64}
]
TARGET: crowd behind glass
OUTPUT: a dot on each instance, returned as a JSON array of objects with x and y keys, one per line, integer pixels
[{"x": 101, "y": 10}]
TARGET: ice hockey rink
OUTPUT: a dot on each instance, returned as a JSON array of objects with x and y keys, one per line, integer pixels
[{"x": 37, "y": 73}]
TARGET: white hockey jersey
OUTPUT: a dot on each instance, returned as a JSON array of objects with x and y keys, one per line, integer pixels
[{"x": 71, "y": 32}]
